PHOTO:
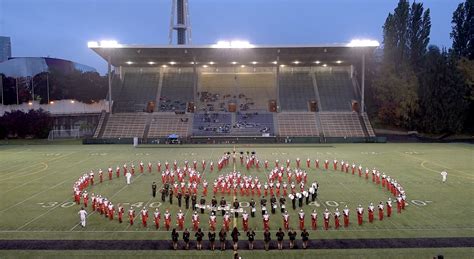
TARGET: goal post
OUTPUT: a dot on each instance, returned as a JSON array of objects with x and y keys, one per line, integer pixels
[{"x": 63, "y": 134}]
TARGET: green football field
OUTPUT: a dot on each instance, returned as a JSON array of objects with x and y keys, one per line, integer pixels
[{"x": 36, "y": 190}]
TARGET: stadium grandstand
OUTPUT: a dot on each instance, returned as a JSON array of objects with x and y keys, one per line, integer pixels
[{"x": 242, "y": 90}]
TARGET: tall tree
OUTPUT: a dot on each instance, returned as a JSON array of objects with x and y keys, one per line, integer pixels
[
  {"x": 419, "y": 34},
  {"x": 463, "y": 30},
  {"x": 442, "y": 94}
]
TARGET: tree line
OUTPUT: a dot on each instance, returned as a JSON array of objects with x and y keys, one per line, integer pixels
[
  {"x": 19, "y": 124},
  {"x": 417, "y": 86}
]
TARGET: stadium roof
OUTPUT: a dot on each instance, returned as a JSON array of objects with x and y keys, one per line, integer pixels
[{"x": 258, "y": 55}]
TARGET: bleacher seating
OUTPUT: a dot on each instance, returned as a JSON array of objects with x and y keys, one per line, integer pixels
[
  {"x": 341, "y": 124},
  {"x": 370, "y": 130},
  {"x": 253, "y": 124},
  {"x": 165, "y": 124},
  {"x": 216, "y": 91},
  {"x": 297, "y": 124},
  {"x": 137, "y": 90},
  {"x": 335, "y": 91},
  {"x": 212, "y": 124},
  {"x": 255, "y": 90},
  {"x": 176, "y": 91},
  {"x": 125, "y": 125},
  {"x": 296, "y": 89}
]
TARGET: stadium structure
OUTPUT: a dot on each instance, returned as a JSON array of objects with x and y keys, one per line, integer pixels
[{"x": 236, "y": 91}]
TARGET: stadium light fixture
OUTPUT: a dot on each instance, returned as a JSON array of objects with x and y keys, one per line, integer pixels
[
  {"x": 239, "y": 44},
  {"x": 254, "y": 62},
  {"x": 52, "y": 102},
  {"x": 233, "y": 62},
  {"x": 151, "y": 63},
  {"x": 72, "y": 101},
  {"x": 363, "y": 43},
  {"x": 172, "y": 63},
  {"x": 339, "y": 61},
  {"x": 325, "y": 65},
  {"x": 164, "y": 66},
  {"x": 204, "y": 66},
  {"x": 242, "y": 66},
  {"x": 317, "y": 61},
  {"x": 211, "y": 63},
  {"x": 30, "y": 103},
  {"x": 296, "y": 62},
  {"x": 282, "y": 65},
  {"x": 129, "y": 62},
  {"x": 275, "y": 62},
  {"x": 103, "y": 44},
  {"x": 192, "y": 62}
]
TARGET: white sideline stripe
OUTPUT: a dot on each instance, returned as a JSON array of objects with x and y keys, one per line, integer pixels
[
  {"x": 31, "y": 197},
  {"x": 258, "y": 231},
  {"x": 48, "y": 211},
  {"x": 115, "y": 194}
]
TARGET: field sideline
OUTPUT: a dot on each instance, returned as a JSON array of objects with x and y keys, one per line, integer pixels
[{"x": 36, "y": 186}]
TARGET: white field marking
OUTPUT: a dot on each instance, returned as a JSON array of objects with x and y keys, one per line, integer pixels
[
  {"x": 48, "y": 211},
  {"x": 258, "y": 231},
  {"x": 138, "y": 214},
  {"x": 45, "y": 175},
  {"x": 23, "y": 168},
  {"x": 13, "y": 173},
  {"x": 50, "y": 188},
  {"x": 31, "y": 197},
  {"x": 440, "y": 165},
  {"x": 115, "y": 194}
]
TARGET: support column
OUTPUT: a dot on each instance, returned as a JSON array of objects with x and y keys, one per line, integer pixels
[
  {"x": 195, "y": 82},
  {"x": 109, "y": 71},
  {"x": 277, "y": 85},
  {"x": 47, "y": 86},
  {"x": 1, "y": 86},
  {"x": 16, "y": 85},
  {"x": 362, "y": 104}
]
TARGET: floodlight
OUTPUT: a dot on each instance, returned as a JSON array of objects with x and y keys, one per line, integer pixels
[
  {"x": 52, "y": 102},
  {"x": 233, "y": 62},
  {"x": 363, "y": 43},
  {"x": 211, "y": 63},
  {"x": 30, "y": 103},
  {"x": 282, "y": 65},
  {"x": 254, "y": 62},
  {"x": 317, "y": 61},
  {"x": 92, "y": 44},
  {"x": 339, "y": 62},
  {"x": 129, "y": 62},
  {"x": 275, "y": 62},
  {"x": 164, "y": 66},
  {"x": 233, "y": 44},
  {"x": 172, "y": 63},
  {"x": 204, "y": 66},
  {"x": 296, "y": 62},
  {"x": 151, "y": 63},
  {"x": 242, "y": 66},
  {"x": 325, "y": 65},
  {"x": 72, "y": 101}
]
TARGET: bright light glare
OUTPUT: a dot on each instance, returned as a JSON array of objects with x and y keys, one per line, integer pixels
[
  {"x": 30, "y": 103},
  {"x": 204, "y": 66},
  {"x": 254, "y": 62},
  {"x": 296, "y": 62},
  {"x": 317, "y": 62},
  {"x": 151, "y": 63},
  {"x": 363, "y": 43},
  {"x": 242, "y": 66},
  {"x": 282, "y": 65},
  {"x": 72, "y": 101},
  {"x": 211, "y": 63},
  {"x": 164, "y": 66},
  {"x": 104, "y": 44},
  {"x": 339, "y": 62},
  {"x": 172, "y": 63},
  {"x": 129, "y": 62},
  {"x": 233, "y": 44},
  {"x": 325, "y": 65},
  {"x": 275, "y": 62},
  {"x": 233, "y": 62}
]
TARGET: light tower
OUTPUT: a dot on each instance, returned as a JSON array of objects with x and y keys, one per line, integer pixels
[{"x": 182, "y": 22}]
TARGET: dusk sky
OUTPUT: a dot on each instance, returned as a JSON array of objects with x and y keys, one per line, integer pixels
[{"x": 62, "y": 28}]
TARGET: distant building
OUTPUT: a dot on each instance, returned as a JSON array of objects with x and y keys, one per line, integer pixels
[
  {"x": 5, "y": 48},
  {"x": 31, "y": 66}
]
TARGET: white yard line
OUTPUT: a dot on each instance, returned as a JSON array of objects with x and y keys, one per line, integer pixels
[
  {"x": 31, "y": 197},
  {"x": 48, "y": 211}
]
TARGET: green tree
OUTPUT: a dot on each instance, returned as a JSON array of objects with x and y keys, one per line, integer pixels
[
  {"x": 419, "y": 34},
  {"x": 463, "y": 30},
  {"x": 442, "y": 94}
]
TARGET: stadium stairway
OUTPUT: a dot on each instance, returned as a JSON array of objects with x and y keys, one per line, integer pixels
[{"x": 99, "y": 130}]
